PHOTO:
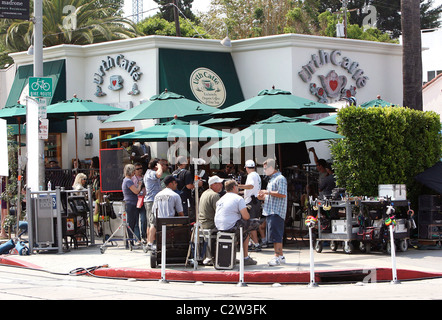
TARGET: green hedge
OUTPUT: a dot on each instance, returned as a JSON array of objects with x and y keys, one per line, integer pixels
[{"x": 388, "y": 145}]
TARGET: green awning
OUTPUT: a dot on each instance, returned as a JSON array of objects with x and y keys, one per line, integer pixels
[
  {"x": 204, "y": 76},
  {"x": 54, "y": 69}
]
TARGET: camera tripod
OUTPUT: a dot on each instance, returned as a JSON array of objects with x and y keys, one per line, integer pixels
[{"x": 128, "y": 241}]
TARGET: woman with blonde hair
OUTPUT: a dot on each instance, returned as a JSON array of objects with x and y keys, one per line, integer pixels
[{"x": 80, "y": 181}]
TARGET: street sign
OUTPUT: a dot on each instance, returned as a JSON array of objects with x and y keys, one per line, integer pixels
[
  {"x": 40, "y": 87},
  {"x": 43, "y": 129},
  {"x": 42, "y": 110},
  {"x": 10, "y": 9}
]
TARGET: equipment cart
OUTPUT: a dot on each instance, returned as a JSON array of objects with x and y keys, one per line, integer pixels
[
  {"x": 361, "y": 224},
  {"x": 373, "y": 220},
  {"x": 178, "y": 236},
  {"x": 336, "y": 224}
]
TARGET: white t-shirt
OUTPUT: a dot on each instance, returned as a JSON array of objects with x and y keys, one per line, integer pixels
[
  {"x": 228, "y": 209},
  {"x": 254, "y": 179},
  {"x": 168, "y": 203}
]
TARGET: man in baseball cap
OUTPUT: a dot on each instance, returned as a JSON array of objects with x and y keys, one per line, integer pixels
[
  {"x": 207, "y": 205},
  {"x": 251, "y": 188},
  {"x": 215, "y": 179},
  {"x": 250, "y": 164},
  {"x": 206, "y": 211}
]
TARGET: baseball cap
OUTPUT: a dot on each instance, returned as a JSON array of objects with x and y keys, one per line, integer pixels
[
  {"x": 215, "y": 179},
  {"x": 250, "y": 164},
  {"x": 169, "y": 179}
]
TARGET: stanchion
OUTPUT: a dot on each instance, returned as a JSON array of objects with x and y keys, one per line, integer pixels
[
  {"x": 390, "y": 220},
  {"x": 195, "y": 241},
  {"x": 163, "y": 254},
  {"x": 310, "y": 222},
  {"x": 241, "y": 282}
]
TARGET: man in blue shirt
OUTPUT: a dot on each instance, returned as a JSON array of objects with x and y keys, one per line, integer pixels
[
  {"x": 274, "y": 208},
  {"x": 153, "y": 186}
]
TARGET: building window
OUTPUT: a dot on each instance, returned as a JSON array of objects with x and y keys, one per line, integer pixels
[
  {"x": 52, "y": 149},
  {"x": 111, "y": 133}
]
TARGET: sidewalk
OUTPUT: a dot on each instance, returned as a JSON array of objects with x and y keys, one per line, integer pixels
[{"x": 328, "y": 266}]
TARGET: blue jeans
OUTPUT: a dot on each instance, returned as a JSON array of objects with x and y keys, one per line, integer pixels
[
  {"x": 141, "y": 226},
  {"x": 133, "y": 215}
]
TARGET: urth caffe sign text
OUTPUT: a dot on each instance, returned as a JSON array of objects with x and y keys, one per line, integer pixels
[
  {"x": 116, "y": 81},
  {"x": 333, "y": 86}
]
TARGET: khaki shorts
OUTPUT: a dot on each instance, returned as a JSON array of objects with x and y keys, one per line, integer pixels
[{"x": 149, "y": 214}]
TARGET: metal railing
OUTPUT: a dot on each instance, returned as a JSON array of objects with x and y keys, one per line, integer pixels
[{"x": 65, "y": 177}]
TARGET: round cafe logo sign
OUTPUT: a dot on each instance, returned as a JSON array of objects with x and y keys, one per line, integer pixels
[{"x": 208, "y": 87}]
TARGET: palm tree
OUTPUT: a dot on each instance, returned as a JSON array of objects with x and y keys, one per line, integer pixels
[
  {"x": 69, "y": 22},
  {"x": 412, "y": 54}
]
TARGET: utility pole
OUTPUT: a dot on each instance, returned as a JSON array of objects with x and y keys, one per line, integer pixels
[
  {"x": 177, "y": 18},
  {"x": 35, "y": 164},
  {"x": 411, "y": 54},
  {"x": 345, "y": 4}
]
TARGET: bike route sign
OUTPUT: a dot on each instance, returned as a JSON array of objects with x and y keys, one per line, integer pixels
[{"x": 40, "y": 87}]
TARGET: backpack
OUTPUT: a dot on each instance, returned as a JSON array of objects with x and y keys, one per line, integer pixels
[{"x": 177, "y": 175}]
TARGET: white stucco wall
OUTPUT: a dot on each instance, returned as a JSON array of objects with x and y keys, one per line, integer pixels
[
  {"x": 264, "y": 62},
  {"x": 432, "y": 96},
  {"x": 6, "y": 79}
]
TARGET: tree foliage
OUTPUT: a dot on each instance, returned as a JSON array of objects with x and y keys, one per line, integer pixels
[
  {"x": 166, "y": 11},
  {"x": 328, "y": 21},
  {"x": 158, "y": 26},
  {"x": 253, "y": 18}
]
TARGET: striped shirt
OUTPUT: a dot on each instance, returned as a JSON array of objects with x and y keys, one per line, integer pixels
[{"x": 274, "y": 205}]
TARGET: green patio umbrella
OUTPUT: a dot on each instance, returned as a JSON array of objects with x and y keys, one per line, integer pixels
[
  {"x": 163, "y": 106},
  {"x": 276, "y": 130},
  {"x": 275, "y": 101},
  {"x": 331, "y": 120},
  {"x": 167, "y": 131},
  {"x": 327, "y": 121},
  {"x": 13, "y": 114},
  {"x": 378, "y": 102},
  {"x": 78, "y": 107}
]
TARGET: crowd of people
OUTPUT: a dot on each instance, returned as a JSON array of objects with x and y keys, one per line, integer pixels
[{"x": 225, "y": 204}]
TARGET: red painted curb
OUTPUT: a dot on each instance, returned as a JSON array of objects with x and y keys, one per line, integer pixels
[
  {"x": 11, "y": 261},
  {"x": 381, "y": 274},
  {"x": 323, "y": 276}
]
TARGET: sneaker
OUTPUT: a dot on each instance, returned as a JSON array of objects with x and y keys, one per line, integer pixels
[
  {"x": 282, "y": 259},
  {"x": 249, "y": 261},
  {"x": 275, "y": 261},
  {"x": 208, "y": 262},
  {"x": 255, "y": 248}
]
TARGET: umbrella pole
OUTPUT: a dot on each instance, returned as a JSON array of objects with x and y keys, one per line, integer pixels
[
  {"x": 280, "y": 157},
  {"x": 76, "y": 142}
]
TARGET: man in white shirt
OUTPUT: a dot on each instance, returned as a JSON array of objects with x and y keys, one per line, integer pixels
[
  {"x": 231, "y": 214},
  {"x": 251, "y": 188},
  {"x": 167, "y": 203}
]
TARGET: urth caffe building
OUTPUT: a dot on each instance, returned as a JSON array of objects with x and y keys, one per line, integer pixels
[{"x": 127, "y": 72}]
